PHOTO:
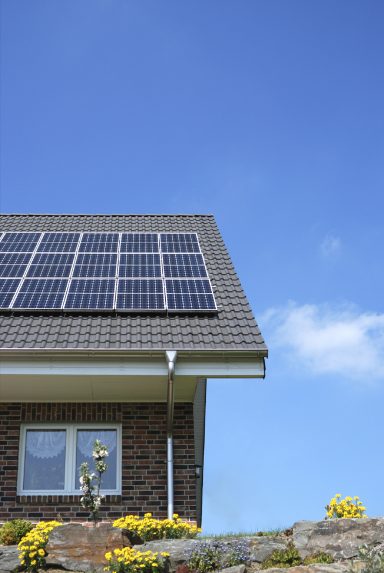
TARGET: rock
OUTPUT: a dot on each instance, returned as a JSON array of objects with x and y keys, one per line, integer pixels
[
  {"x": 340, "y": 538},
  {"x": 77, "y": 548},
  {"x": 178, "y": 549},
  {"x": 234, "y": 569},
  {"x": 262, "y": 547},
  {"x": 340, "y": 567},
  {"x": 9, "y": 558}
]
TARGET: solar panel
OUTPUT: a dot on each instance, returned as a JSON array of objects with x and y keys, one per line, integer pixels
[
  {"x": 139, "y": 243},
  {"x": 99, "y": 242},
  {"x": 40, "y": 294},
  {"x": 132, "y": 272},
  {"x": 90, "y": 293},
  {"x": 184, "y": 265},
  {"x": 10, "y": 271},
  {"x": 19, "y": 242},
  {"x": 190, "y": 295},
  {"x": 95, "y": 265},
  {"x": 139, "y": 265},
  {"x": 8, "y": 287},
  {"x": 179, "y": 243},
  {"x": 59, "y": 242},
  {"x": 140, "y": 294}
]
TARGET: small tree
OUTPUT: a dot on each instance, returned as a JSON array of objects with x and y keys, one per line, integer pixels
[{"x": 90, "y": 483}]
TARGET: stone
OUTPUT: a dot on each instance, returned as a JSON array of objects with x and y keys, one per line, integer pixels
[
  {"x": 9, "y": 558},
  {"x": 178, "y": 549},
  {"x": 234, "y": 569},
  {"x": 262, "y": 547},
  {"x": 340, "y": 538},
  {"x": 339, "y": 567},
  {"x": 78, "y": 548}
]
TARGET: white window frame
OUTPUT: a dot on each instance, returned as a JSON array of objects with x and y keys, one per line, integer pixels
[{"x": 70, "y": 458}]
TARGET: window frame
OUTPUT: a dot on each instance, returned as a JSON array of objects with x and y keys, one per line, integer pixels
[{"x": 70, "y": 457}]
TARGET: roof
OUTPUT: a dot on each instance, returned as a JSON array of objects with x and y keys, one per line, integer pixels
[{"x": 233, "y": 328}]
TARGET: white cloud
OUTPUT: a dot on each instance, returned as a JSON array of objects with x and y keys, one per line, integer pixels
[
  {"x": 327, "y": 340},
  {"x": 330, "y": 246}
]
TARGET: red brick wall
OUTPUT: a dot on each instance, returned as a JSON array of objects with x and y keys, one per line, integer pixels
[{"x": 144, "y": 471}]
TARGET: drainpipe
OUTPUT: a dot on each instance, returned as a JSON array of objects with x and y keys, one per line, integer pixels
[{"x": 171, "y": 359}]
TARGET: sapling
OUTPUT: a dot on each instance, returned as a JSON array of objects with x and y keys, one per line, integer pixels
[{"x": 90, "y": 483}]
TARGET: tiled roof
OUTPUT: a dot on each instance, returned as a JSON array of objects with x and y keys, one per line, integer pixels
[{"x": 233, "y": 328}]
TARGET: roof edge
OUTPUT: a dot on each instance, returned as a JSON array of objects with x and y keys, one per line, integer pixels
[
  {"x": 107, "y": 215},
  {"x": 225, "y": 352}
]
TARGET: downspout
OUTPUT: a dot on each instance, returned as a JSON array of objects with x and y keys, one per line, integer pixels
[{"x": 171, "y": 359}]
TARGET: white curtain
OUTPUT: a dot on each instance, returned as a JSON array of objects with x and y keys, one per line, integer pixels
[
  {"x": 45, "y": 444},
  {"x": 86, "y": 439}
]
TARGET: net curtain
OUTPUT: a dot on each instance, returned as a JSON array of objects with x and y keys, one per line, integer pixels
[{"x": 45, "y": 444}]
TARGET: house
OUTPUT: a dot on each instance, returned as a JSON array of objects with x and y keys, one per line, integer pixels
[{"x": 110, "y": 326}]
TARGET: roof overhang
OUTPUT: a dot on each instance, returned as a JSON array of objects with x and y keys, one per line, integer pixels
[{"x": 115, "y": 376}]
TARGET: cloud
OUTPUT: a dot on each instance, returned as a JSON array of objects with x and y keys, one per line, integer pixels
[
  {"x": 329, "y": 340},
  {"x": 330, "y": 246}
]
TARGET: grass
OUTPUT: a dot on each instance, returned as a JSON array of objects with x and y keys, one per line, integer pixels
[{"x": 232, "y": 534}]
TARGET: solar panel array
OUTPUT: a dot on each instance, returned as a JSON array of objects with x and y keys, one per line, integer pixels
[{"x": 125, "y": 272}]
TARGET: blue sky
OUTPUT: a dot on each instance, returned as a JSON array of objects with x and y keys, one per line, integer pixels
[{"x": 269, "y": 114}]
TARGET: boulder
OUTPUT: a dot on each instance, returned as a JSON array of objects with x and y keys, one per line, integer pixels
[
  {"x": 178, "y": 549},
  {"x": 340, "y": 538},
  {"x": 320, "y": 568},
  {"x": 262, "y": 547},
  {"x": 234, "y": 569},
  {"x": 77, "y": 548},
  {"x": 9, "y": 558}
]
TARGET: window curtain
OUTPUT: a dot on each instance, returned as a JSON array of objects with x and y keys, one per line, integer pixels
[
  {"x": 86, "y": 439},
  {"x": 43, "y": 444}
]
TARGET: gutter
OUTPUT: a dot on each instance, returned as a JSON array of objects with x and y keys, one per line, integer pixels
[{"x": 171, "y": 359}]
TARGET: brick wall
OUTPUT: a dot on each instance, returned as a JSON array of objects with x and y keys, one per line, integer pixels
[{"x": 144, "y": 471}]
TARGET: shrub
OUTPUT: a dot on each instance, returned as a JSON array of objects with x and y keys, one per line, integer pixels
[
  {"x": 13, "y": 531},
  {"x": 149, "y": 528},
  {"x": 319, "y": 557},
  {"x": 283, "y": 558},
  {"x": 373, "y": 558},
  {"x": 345, "y": 508},
  {"x": 214, "y": 555},
  {"x": 128, "y": 560},
  {"x": 32, "y": 546}
]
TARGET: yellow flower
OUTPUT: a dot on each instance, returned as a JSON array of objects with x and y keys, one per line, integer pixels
[{"x": 41, "y": 552}]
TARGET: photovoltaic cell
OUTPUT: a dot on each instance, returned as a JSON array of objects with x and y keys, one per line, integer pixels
[
  {"x": 139, "y": 243},
  {"x": 139, "y": 265},
  {"x": 99, "y": 243},
  {"x": 41, "y": 293},
  {"x": 53, "y": 259},
  {"x": 184, "y": 265},
  {"x": 190, "y": 295},
  {"x": 59, "y": 243},
  {"x": 14, "y": 258},
  {"x": 19, "y": 242},
  {"x": 179, "y": 243},
  {"x": 88, "y": 294},
  {"x": 12, "y": 271},
  {"x": 59, "y": 271},
  {"x": 95, "y": 265},
  {"x": 139, "y": 294},
  {"x": 8, "y": 287}
]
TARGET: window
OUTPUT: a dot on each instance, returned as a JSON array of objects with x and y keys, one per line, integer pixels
[{"x": 51, "y": 455}]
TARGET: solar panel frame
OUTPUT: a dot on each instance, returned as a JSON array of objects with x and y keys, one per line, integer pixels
[{"x": 159, "y": 248}]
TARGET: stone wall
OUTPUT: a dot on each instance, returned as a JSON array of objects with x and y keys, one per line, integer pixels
[{"x": 144, "y": 472}]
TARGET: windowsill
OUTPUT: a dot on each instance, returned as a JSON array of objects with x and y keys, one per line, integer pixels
[{"x": 54, "y": 498}]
